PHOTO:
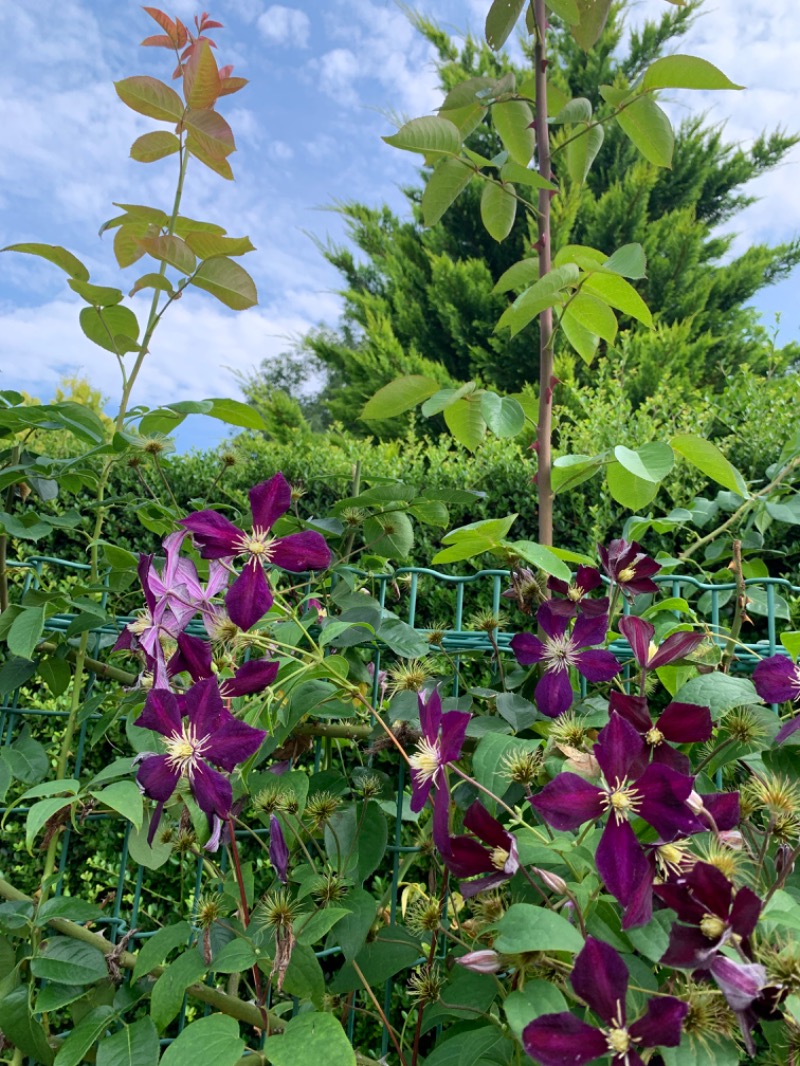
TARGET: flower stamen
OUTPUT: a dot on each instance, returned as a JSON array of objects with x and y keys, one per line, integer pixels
[{"x": 426, "y": 760}]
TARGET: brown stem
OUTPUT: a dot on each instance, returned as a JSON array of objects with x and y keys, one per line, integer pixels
[
  {"x": 379, "y": 1009},
  {"x": 740, "y": 608},
  {"x": 545, "y": 427}
]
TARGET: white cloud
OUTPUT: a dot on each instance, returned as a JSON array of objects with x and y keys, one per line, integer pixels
[
  {"x": 280, "y": 151},
  {"x": 285, "y": 26},
  {"x": 338, "y": 70}
]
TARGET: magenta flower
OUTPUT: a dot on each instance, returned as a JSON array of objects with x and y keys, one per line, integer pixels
[
  {"x": 633, "y": 788},
  {"x": 639, "y": 634},
  {"x": 629, "y": 567},
  {"x": 575, "y": 597},
  {"x": 777, "y": 680},
  {"x": 441, "y": 743},
  {"x": 559, "y": 651},
  {"x": 194, "y": 657},
  {"x": 678, "y": 723},
  {"x": 600, "y": 978},
  {"x": 198, "y": 730},
  {"x": 492, "y": 851},
  {"x": 278, "y": 850},
  {"x": 250, "y": 596}
]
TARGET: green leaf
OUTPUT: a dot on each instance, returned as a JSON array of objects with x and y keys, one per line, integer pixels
[
  {"x": 491, "y": 529},
  {"x": 629, "y": 261},
  {"x": 170, "y": 988},
  {"x": 594, "y": 315},
  {"x": 215, "y": 161},
  {"x": 40, "y": 813},
  {"x": 152, "y": 281},
  {"x": 791, "y": 641},
  {"x": 156, "y": 145},
  {"x": 618, "y": 293},
  {"x": 210, "y": 245},
  {"x": 577, "y": 110},
  {"x": 311, "y": 929},
  {"x": 566, "y": 10},
  {"x": 520, "y": 276},
  {"x": 430, "y": 135},
  {"x": 170, "y": 249},
  {"x": 685, "y": 72},
  {"x": 304, "y": 977},
  {"x": 402, "y": 638},
  {"x": 582, "y": 152},
  {"x": 446, "y": 398},
  {"x": 26, "y": 757},
  {"x": 208, "y": 1040},
  {"x": 55, "y": 254},
  {"x": 449, "y": 179},
  {"x": 235, "y": 957},
  {"x": 156, "y": 948},
  {"x": 504, "y": 416},
  {"x": 123, "y": 797},
  {"x": 76, "y": 910},
  {"x": 546, "y": 292},
  {"x": 126, "y": 245},
  {"x": 91, "y": 1028},
  {"x": 310, "y": 1038},
  {"x": 629, "y": 490},
  {"x": 116, "y": 329},
  {"x": 151, "y": 97},
  {"x": 390, "y": 535},
  {"x": 500, "y": 21},
  {"x": 97, "y": 295},
  {"x": 719, "y": 692},
  {"x": 512, "y": 120},
  {"x": 232, "y": 413},
  {"x": 152, "y": 856},
  {"x": 211, "y": 135},
  {"x": 352, "y": 930},
  {"x": 582, "y": 339},
  {"x": 498, "y": 210},
  {"x": 391, "y": 951},
  {"x": 488, "y": 761},
  {"x": 709, "y": 459},
  {"x": 592, "y": 19},
  {"x": 536, "y": 998},
  {"x": 465, "y": 422},
  {"x": 21, "y": 1028},
  {"x": 511, "y": 171},
  {"x": 133, "y": 1045},
  {"x": 398, "y": 396},
  {"x": 527, "y": 928},
  {"x": 26, "y": 632},
  {"x": 652, "y": 462},
  {"x": 65, "y": 961},
  {"x": 468, "y": 548},
  {"x": 645, "y": 124},
  {"x": 229, "y": 282},
  {"x": 542, "y": 557}
]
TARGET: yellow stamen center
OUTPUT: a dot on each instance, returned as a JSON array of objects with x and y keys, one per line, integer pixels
[
  {"x": 499, "y": 858},
  {"x": 628, "y": 574},
  {"x": 712, "y": 926},
  {"x": 184, "y": 750},
  {"x": 618, "y": 1040},
  {"x": 426, "y": 760},
  {"x": 654, "y": 736},
  {"x": 559, "y": 653},
  {"x": 141, "y": 623},
  {"x": 258, "y": 543},
  {"x": 652, "y": 651},
  {"x": 623, "y": 801},
  {"x": 575, "y": 593}
]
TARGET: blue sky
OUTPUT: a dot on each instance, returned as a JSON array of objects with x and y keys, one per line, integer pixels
[{"x": 327, "y": 78}]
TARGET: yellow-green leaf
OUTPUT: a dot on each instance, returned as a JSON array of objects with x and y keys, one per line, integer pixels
[
  {"x": 644, "y": 123},
  {"x": 209, "y": 245},
  {"x": 500, "y": 21},
  {"x": 170, "y": 249},
  {"x": 498, "y": 209},
  {"x": 465, "y": 422},
  {"x": 512, "y": 119},
  {"x": 398, "y": 396},
  {"x": 449, "y": 179},
  {"x": 210, "y": 132},
  {"x": 709, "y": 459},
  {"x": 151, "y": 97},
  {"x": 155, "y": 145},
  {"x": 429, "y": 135},
  {"x": 685, "y": 72},
  {"x": 55, "y": 254},
  {"x": 618, "y": 293},
  {"x": 230, "y": 283},
  {"x": 201, "y": 84}
]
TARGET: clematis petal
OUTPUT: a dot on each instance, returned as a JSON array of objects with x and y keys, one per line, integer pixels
[
  {"x": 214, "y": 535},
  {"x": 253, "y": 676},
  {"x": 664, "y": 792},
  {"x": 468, "y": 889},
  {"x": 562, "y": 1040},
  {"x": 269, "y": 500},
  {"x": 594, "y": 608},
  {"x": 553, "y": 693},
  {"x": 568, "y": 801},
  {"x": 430, "y": 715},
  {"x": 619, "y": 748},
  {"x": 639, "y": 634},
  {"x": 677, "y": 646},
  {"x": 161, "y": 713},
  {"x": 639, "y": 909},
  {"x": 723, "y": 808},
  {"x": 480, "y": 822},
  {"x": 784, "y": 732},
  {"x": 741, "y": 983},
  {"x": 193, "y": 656},
  {"x": 662, "y": 1023},
  {"x": 156, "y": 777},
  {"x": 745, "y": 912},
  {"x": 204, "y": 707},
  {"x": 467, "y": 857},
  {"x": 233, "y": 743},
  {"x": 527, "y": 648},
  {"x": 685, "y": 723},
  {"x": 589, "y": 630},
  {"x": 600, "y": 978},
  {"x": 689, "y": 948},
  {"x": 143, "y": 568},
  {"x": 675, "y": 760},
  {"x": 420, "y": 790},
  {"x": 278, "y": 850},
  {"x": 633, "y": 709},
  {"x": 777, "y": 679},
  {"x": 621, "y": 862},
  {"x": 597, "y": 665},
  {"x": 441, "y": 817},
  {"x": 301, "y": 551},
  {"x": 710, "y": 888},
  {"x": 212, "y": 790},
  {"x": 249, "y": 597},
  {"x": 553, "y": 624},
  {"x": 454, "y": 729},
  {"x": 588, "y": 578}
]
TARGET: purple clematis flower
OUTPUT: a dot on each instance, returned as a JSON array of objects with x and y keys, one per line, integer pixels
[
  {"x": 777, "y": 680},
  {"x": 678, "y": 723},
  {"x": 639, "y": 634},
  {"x": 559, "y": 651},
  {"x": 575, "y": 596},
  {"x": 633, "y": 788},
  {"x": 207, "y": 734},
  {"x": 629, "y": 567},
  {"x": 600, "y": 978},
  {"x": 194, "y": 657},
  {"x": 278, "y": 850},
  {"x": 493, "y": 853},
  {"x": 441, "y": 743},
  {"x": 712, "y": 913},
  {"x": 250, "y": 596}
]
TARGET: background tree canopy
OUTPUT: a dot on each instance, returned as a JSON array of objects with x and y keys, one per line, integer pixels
[{"x": 420, "y": 300}]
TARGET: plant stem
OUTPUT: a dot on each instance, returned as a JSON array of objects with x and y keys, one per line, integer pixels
[
  {"x": 380, "y": 1011},
  {"x": 739, "y": 610}
]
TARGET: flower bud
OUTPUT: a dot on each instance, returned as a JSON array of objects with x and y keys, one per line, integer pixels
[
  {"x": 553, "y": 881},
  {"x": 484, "y": 961}
]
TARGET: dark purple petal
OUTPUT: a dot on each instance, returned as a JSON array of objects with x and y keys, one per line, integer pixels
[
  {"x": 143, "y": 568},
  {"x": 301, "y": 551},
  {"x": 688, "y": 948},
  {"x": 723, "y": 808},
  {"x": 156, "y": 777},
  {"x": 467, "y": 857},
  {"x": 589, "y": 631},
  {"x": 193, "y": 656},
  {"x": 441, "y": 817},
  {"x": 745, "y": 912},
  {"x": 252, "y": 676},
  {"x": 597, "y": 665},
  {"x": 685, "y": 723},
  {"x": 488, "y": 829},
  {"x": 594, "y": 608},
  {"x": 454, "y": 729},
  {"x": 555, "y": 584},
  {"x": 527, "y": 648},
  {"x": 430, "y": 715},
  {"x": 554, "y": 625},
  {"x": 268, "y": 501},
  {"x": 661, "y": 1024},
  {"x": 212, "y": 790},
  {"x": 665, "y": 755},
  {"x": 710, "y": 888},
  {"x": 204, "y": 707},
  {"x": 568, "y": 801},
  {"x": 638, "y": 633},
  {"x": 777, "y": 679},
  {"x": 600, "y": 978},
  {"x": 125, "y": 641},
  {"x": 278, "y": 851},
  {"x": 420, "y": 790},
  {"x": 588, "y": 578},
  {"x": 553, "y": 693},
  {"x": 214, "y": 535},
  {"x": 562, "y": 1040},
  {"x": 740, "y": 982},
  {"x": 664, "y": 792},
  {"x": 677, "y": 646},
  {"x": 621, "y": 862},
  {"x": 234, "y": 742},
  {"x": 786, "y": 730},
  {"x": 639, "y": 909},
  {"x": 633, "y": 709},
  {"x": 619, "y": 748},
  {"x": 468, "y": 889},
  {"x": 161, "y": 713},
  {"x": 249, "y": 597}
]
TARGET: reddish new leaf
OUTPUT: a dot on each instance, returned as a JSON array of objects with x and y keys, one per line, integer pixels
[
  {"x": 183, "y": 33},
  {"x": 231, "y": 85},
  {"x": 219, "y": 164},
  {"x": 201, "y": 83},
  {"x": 210, "y": 132},
  {"x": 165, "y": 22},
  {"x": 159, "y": 40}
]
